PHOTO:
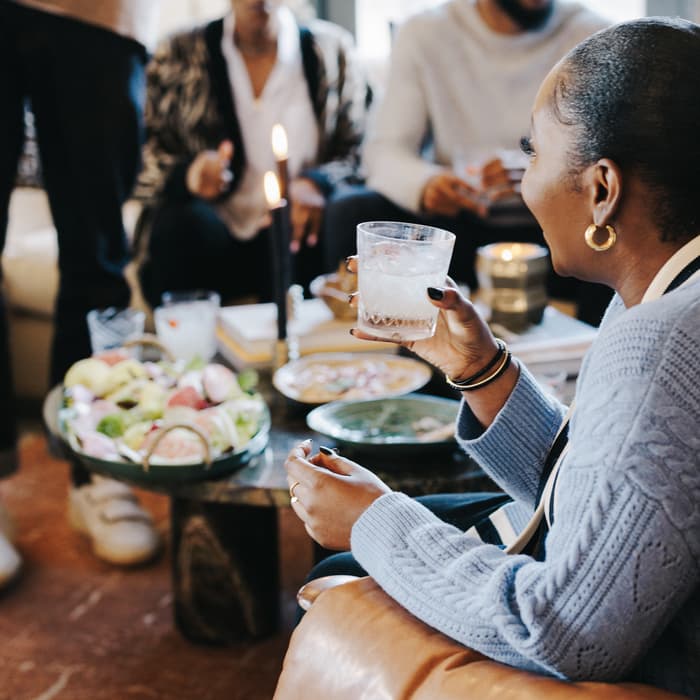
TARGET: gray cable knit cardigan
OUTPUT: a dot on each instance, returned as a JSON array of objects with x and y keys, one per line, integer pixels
[{"x": 617, "y": 593}]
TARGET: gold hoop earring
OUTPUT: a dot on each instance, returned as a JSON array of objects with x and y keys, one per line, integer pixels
[{"x": 609, "y": 242}]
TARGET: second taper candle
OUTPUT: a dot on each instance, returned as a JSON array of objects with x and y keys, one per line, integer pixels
[
  {"x": 280, "y": 148},
  {"x": 279, "y": 249}
]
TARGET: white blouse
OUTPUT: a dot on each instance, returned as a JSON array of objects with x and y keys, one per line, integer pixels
[{"x": 285, "y": 100}]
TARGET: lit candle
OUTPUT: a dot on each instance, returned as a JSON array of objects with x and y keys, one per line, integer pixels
[
  {"x": 512, "y": 278},
  {"x": 280, "y": 148},
  {"x": 512, "y": 258},
  {"x": 279, "y": 249}
]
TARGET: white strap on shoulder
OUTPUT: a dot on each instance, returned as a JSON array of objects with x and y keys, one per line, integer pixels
[{"x": 543, "y": 506}]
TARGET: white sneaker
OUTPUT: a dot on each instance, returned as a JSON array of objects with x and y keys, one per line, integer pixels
[
  {"x": 10, "y": 561},
  {"x": 109, "y": 513}
]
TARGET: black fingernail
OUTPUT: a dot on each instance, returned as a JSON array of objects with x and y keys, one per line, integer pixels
[
  {"x": 328, "y": 451},
  {"x": 350, "y": 298},
  {"x": 435, "y": 294},
  {"x": 352, "y": 331}
]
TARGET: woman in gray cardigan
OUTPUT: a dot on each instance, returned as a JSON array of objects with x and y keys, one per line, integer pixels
[{"x": 603, "y": 586}]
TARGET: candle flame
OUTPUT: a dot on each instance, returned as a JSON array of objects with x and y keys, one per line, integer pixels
[
  {"x": 272, "y": 189},
  {"x": 279, "y": 142},
  {"x": 507, "y": 255}
]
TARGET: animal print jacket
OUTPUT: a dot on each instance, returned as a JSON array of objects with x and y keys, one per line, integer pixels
[{"x": 190, "y": 108}]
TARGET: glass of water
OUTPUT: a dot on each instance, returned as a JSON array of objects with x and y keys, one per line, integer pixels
[
  {"x": 111, "y": 328},
  {"x": 186, "y": 323},
  {"x": 397, "y": 263}
]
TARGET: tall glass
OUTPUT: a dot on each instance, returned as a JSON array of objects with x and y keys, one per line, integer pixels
[
  {"x": 397, "y": 263},
  {"x": 186, "y": 323}
]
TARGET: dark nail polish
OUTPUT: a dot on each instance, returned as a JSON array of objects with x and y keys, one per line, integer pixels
[
  {"x": 328, "y": 451},
  {"x": 435, "y": 294},
  {"x": 350, "y": 298},
  {"x": 352, "y": 331}
]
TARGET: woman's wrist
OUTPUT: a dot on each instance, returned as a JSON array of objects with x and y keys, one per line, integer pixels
[
  {"x": 495, "y": 367},
  {"x": 480, "y": 364}
]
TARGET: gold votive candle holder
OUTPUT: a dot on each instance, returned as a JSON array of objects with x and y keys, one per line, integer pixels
[{"x": 512, "y": 278}]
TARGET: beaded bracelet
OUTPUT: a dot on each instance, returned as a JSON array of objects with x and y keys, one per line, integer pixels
[{"x": 502, "y": 359}]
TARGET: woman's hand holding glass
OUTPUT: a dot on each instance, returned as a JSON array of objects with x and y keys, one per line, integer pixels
[
  {"x": 462, "y": 343},
  {"x": 461, "y": 347}
]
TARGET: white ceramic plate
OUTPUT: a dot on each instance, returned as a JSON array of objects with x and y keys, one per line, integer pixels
[{"x": 321, "y": 378}]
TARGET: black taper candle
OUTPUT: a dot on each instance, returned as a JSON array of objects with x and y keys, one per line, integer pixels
[{"x": 281, "y": 263}]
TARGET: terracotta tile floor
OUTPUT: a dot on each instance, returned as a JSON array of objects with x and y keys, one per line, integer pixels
[{"x": 73, "y": 628}]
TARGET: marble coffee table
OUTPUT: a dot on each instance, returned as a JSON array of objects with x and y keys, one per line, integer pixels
[{"x": 225, "y": 548}]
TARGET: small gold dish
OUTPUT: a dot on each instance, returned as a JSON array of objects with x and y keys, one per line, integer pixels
[{"x": 335, "y": 288}]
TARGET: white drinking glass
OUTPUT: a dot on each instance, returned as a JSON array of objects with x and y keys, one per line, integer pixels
[
  {"x": 186, "y": 323},
  {"x": 397, "y": 263}
]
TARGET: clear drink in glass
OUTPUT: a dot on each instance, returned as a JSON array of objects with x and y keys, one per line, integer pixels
[{"x": 397, "y": 263}]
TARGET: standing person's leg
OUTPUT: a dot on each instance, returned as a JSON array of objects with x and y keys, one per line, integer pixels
[
  {"x": 11, "y": 139},
  {"x": 87, "y": 88}
]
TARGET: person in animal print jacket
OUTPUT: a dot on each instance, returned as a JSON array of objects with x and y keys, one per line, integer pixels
[{"x": 213, "y": 95}]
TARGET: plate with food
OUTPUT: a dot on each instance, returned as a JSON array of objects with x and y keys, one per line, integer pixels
[
  {"x": 390, "y": 424},
  {"x": 161, "y": 421},
  {"x": 326, "y": 377}
]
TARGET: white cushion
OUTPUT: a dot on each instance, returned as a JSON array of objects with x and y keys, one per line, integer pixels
[{"x": 30, "y": 271}]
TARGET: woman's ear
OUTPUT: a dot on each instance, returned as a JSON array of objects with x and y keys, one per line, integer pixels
[{"x": 605, "y": 187}]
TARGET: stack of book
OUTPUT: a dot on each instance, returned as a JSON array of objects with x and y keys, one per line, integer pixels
[{"x": 247, "y": 333}]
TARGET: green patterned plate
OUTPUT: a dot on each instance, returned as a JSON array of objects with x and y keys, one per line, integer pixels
[{"x": 394, "y": 424}]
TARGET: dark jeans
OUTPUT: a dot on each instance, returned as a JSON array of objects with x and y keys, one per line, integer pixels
[
  {"x": 190, "y": 247},
  {"x": 86, "y": 89},
  {"x": 355, "y": 205},
  {"x": 461, "y": 510}
]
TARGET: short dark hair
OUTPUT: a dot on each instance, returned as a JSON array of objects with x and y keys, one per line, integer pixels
[{"x": 632, "y": 94}]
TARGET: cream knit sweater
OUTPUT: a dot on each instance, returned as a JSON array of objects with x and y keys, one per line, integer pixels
[{"x": 462, "y": 86}]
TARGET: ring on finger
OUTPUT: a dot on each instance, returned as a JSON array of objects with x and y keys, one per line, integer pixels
[{"x": 294, "y": 499}]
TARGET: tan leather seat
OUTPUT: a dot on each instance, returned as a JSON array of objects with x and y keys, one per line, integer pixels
[{"x": 356, "y": 643}]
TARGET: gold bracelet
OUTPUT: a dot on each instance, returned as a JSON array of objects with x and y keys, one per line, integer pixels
[
  {"x": 471, "y": 386},
  {"x": 500, "y": 351}
]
